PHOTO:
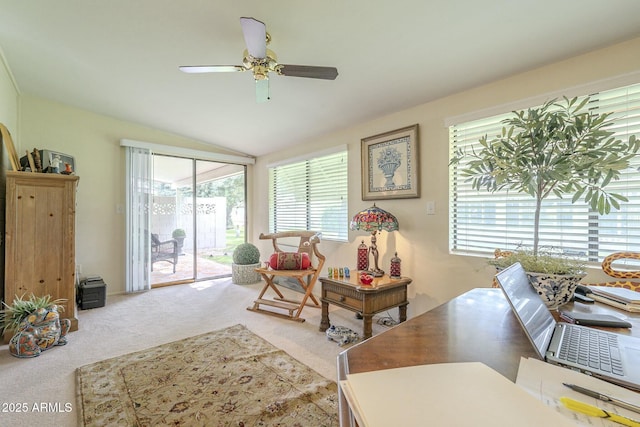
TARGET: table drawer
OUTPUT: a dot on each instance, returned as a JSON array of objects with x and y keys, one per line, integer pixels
[{"x": 345, "y": 300}]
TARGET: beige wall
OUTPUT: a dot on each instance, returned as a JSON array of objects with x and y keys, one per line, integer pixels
[
  {"x": 8, "y": 102},
  {"x": 94, "y": 141},
  {"x": 422, "y": 241}
]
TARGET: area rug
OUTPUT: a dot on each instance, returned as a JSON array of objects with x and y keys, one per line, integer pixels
[{"x": 229, "y": 377}]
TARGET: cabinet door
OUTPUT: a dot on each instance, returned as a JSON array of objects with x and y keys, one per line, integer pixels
[
  {"x": 40, "y": 219},
  {"x": 40, "y": 256}
]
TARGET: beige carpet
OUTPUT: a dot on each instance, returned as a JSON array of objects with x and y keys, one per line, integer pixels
[
  {"x": 135, "y": 322},
  {"x": 229, "y": 377}
]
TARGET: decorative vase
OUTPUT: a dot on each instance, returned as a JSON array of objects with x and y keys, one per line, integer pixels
[
  {"x": 180, "y": 241},
  {"x": 388, "y": 162},
  {"x": 394, "y": 271},
  {"x": 245, "y": 274},
  {"x": 363, "y": 257}
]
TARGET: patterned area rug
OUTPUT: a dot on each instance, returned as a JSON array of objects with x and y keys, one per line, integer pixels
[{"x": 230, "y": 377}]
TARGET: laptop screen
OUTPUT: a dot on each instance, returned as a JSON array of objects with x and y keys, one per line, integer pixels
[{"x": 531, "y": 311}]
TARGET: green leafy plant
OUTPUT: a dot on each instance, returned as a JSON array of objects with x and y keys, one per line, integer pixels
[
  {"x": 12, "y": 315},
  {"x": 546, "y": 261},
  {"x": 178, "y": 232},
  {"x": 560, "y": 149},
  {"x": 246, "y": 253}
]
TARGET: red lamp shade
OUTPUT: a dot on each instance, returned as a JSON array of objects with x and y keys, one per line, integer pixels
[{"x": 374, "y": 219}]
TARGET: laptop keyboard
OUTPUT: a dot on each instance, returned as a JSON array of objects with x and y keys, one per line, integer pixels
[{"x": 592, "y": 348}]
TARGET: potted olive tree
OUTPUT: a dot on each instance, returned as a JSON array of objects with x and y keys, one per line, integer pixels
[
  {"x": 246, "y": 258},
  {"x": 558, "y": 148}
]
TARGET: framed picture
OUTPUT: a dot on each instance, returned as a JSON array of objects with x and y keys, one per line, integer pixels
[{"x": 390, "y": 165}]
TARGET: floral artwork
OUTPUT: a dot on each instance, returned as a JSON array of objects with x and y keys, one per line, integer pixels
[
  {"x": 389, "y": 165},
  {"x": 389, "y": 160}
]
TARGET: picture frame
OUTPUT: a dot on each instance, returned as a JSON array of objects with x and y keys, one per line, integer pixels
[{"x": 390, "y": 168}]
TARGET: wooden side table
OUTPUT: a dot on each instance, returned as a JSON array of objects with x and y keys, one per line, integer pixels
[{"x": 383, "y": 294}]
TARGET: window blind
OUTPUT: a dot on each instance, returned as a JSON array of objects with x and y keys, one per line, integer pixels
[
  {"x": 481, "y": 221},
  {"x": 310, "y": 195}
]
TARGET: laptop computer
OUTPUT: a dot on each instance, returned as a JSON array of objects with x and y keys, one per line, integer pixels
[{"x": 619, "y": 363}]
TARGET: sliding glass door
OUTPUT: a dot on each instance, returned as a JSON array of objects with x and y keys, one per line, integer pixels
[{"x": 197, "y": 218}]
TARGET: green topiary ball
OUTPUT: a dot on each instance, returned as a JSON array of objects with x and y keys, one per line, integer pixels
[
  {"x": 246, "y": 253},
  {"x": 178, "y": 232}
]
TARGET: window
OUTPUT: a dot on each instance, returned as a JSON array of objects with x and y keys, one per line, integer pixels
[
  {"x": 480, "y": 221},
  {"x": 310, "y": 195}
]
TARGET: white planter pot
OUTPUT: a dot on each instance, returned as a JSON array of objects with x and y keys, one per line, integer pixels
[
  {"x": 245, "y": 274},
  {"x": 555, "y": 289}
]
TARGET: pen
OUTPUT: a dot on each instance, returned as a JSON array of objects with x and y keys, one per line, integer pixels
[
  {"x": 594, "y": 411},
  {"x": 604, "y": 397}
]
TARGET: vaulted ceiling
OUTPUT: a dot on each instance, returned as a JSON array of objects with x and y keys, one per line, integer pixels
[{"x": 120, "y": 58}]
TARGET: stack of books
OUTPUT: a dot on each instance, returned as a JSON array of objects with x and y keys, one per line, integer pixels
[{"x": 622, "y": 298}]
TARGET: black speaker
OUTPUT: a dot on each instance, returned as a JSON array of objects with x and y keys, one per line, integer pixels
[{"x": 91, "y": 293}]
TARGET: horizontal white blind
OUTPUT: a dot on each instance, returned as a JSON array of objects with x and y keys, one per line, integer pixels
[
  {"x": 310, "y": 195},
  {"x": 481, "y": 221}
]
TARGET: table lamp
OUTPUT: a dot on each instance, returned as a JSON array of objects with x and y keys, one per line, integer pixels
[{"x": 372, "y": 220}]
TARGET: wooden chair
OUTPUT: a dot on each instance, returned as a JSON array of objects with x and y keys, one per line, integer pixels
[{"x": 309, "y": 241}]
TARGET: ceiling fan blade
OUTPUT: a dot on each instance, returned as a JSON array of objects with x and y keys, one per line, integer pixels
[
  {"x": 326, "y": 73},
  {"x": 211, "y": 68},
  {"x": 255, "y": 37},
  {"x": 262, "y": 90}
]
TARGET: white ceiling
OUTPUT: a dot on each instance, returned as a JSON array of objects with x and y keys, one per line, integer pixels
[{"x": 120, "y": 57}]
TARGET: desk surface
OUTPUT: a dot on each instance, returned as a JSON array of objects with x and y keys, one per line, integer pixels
[{"x": 477, "y": 326}]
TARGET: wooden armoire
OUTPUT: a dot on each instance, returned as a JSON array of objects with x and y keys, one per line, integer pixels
[{"x": 40, "y": 238}]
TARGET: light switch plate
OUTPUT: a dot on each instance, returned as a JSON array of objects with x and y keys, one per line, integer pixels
[{"x": 431, "y": 207}]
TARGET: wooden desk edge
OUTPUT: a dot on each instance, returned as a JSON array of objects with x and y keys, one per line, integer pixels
[{"x": 343, "y": 368}]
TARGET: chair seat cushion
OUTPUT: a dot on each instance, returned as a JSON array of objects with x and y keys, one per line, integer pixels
[{"x": 290, "y": 261}]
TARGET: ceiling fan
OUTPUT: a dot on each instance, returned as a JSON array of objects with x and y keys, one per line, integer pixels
[{"x": 261, "y": 61}]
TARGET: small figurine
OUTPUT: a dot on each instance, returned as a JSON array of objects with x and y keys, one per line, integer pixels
[
  {"x": 36, "y": 160},
  {"x": 55, "y": 164}
]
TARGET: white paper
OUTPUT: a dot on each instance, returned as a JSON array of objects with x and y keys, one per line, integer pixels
[
  {"x": 448, "y": 394},
  {"x": 544, "y": 381}
]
